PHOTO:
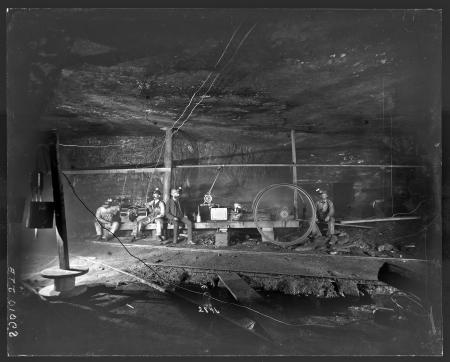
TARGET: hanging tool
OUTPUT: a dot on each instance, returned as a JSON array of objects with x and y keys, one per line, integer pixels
[
  {"x": 40, "y": 187},
  {"x": 40, "y": 213},
  {"x": 208, "y": 197},
  {"x": 37, "y": 186}
]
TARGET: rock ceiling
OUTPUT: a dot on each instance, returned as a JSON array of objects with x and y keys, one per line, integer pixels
[{"x": 332, "y": 75}]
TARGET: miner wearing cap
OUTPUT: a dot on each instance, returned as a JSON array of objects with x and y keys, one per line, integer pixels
[
  {"x": 324, "y": 213},
  {"x": 176, "y": 216},
  {"x": 155, "y": 211},
  {"x": 107, "y": 217}
]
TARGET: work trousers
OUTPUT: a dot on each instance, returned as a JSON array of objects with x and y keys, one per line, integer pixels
[
  {"x": 316, "y": 231},
  {"x": 144, "y": 221},
  {"x": 177, "y": 224},
  {"x": 111, "y": 226}
]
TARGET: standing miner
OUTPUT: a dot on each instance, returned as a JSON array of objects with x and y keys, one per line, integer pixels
[
  {"x": 176, "y": 216},
  {"x": 324, "y": 213}
]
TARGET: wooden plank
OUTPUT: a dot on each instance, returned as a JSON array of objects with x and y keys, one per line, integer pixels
[
  {"x": 54, "y": 273},
  {"x": 245, "y": 224},
  {"x": 264, "y": 262},
  {"x": 128, "y": 225},
  {"x": 344, "y": 222},
  {"x": 297, "y": 165},
  {"x": 294, "y": 171},
  {"x": 168, "y": 165},
  {"x": 240, "y": 290},
  {"x": 354, "y": 226},
  {"x": 116, "y": 170},
  {"x": 165, "y": 169},
  {"x": 58, "y": 199}
]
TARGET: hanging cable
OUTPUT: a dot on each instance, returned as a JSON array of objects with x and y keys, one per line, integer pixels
[
  {"x": 224, "y": 51},
  {"x": 207, "y": 78},
  {"x": 88, "y": 146},
  {"x": 410, "y": 212},
  {"x": 215, "y": 79},
  {"x": 209, "y": 88},
  {"x": 161, "y": 147}
]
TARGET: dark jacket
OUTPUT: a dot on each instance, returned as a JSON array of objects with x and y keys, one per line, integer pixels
[{"x": 173, "y": 209}]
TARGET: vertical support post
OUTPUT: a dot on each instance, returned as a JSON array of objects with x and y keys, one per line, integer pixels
[
  {"x": 167, "y": 164},
  {"x": 58, "y": 199},
  {"x": 294, "y": 171}
]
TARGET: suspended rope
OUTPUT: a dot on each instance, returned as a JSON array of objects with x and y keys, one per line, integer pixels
[
  {"x": 215, "y": 79},
  {"x": 88, "y": 146}
]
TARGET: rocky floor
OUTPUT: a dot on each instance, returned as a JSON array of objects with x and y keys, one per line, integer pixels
[
  {"x": 121, "y": 316},
  {"x": 128, "y": 318}
]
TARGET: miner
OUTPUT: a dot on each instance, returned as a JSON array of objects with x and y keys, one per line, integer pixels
[
  {"x": 155, "y": 211},
  {"x": 324, "y": 213},
  {"x": 107, "y": 220},
  {"x": 176, "y": 216}
]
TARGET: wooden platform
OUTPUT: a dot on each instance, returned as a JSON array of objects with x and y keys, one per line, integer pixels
[
  {"x": 55, "y": 273},
  {"x": 259, "y": 262},
  {"x": 128, "y": 225}
]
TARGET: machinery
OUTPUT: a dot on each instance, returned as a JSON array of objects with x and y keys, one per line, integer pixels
[
  {"x": 207, "y": 199},
  {"x": 284, "y": 214}
]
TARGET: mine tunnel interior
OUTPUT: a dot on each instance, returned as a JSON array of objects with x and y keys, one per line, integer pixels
[{"x": 342, "y": 101}]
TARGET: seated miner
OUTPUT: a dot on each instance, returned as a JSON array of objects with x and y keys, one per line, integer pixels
[
  {"x": 176, "y": 216},
  {"x": 324, "y": 213},
  {"x": 107, "y": 217},
  {"x": 155, "y": 211}
]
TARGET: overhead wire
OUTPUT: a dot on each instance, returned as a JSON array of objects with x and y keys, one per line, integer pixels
[
  {"x": 207, "y": 78},
  {"x": 215, "y": 78},
  {"x": 201, "y": 86},
  {"x": 161, "y": 147}
]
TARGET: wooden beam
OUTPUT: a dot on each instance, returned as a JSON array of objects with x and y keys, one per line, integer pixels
[
  {"x": 294, "y": 171},
  {"x": 166, "y": 169},
  {"x": 240, "y": 290},
  {"x": 343, "y": 222},
  {"x": 297, "y": 165},
  {"x": 167, "y": 164},
  {"x": 115, "y": 170},
  {"x": 211, "y": 225},
  {"x": 354, "y": 226},
  {"x": 58, "y": 199},
  {"x": 266, "y": 262}
]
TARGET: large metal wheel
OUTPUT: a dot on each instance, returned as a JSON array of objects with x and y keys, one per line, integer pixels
[{"x": 289, "y": 209}]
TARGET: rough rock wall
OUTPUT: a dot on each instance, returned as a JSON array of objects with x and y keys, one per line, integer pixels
[{"x": 234, "y": 184}]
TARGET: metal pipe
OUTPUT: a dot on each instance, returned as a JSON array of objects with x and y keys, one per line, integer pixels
[{"x": 380, "y": 220}]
